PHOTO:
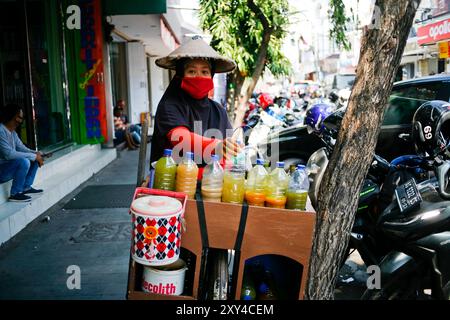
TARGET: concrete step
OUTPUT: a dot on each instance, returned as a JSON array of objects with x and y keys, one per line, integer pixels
[
  {"x": 55, "y": 165},
  {"x": 64, "y": 175}
]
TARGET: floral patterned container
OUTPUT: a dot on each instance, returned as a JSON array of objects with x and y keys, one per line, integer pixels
[{"x": 157, "y": 221}]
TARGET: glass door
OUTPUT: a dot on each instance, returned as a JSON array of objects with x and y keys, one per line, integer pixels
[
  {"x": 32, "y": 70},
  {"x": 47, "y": 81}
]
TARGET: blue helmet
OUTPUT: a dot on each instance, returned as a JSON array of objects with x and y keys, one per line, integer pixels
[{"x": 315, "y": 116}]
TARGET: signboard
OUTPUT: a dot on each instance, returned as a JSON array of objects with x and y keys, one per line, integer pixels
[
  {"x": 443, "y": 50},
  {"x": 434, "y": 32}
]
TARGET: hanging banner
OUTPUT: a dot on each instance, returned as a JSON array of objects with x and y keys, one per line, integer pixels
[{"x": 91, "y": 77}]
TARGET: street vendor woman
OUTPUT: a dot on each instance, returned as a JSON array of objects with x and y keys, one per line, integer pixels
[{"x": 185, "y": 112}]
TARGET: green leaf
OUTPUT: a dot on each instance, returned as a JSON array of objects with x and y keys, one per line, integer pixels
[{"x": 238, "y": 33}]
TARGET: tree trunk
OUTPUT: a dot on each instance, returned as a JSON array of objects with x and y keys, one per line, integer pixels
[
  {"x": 233, "y": 94},
  {"x": 381, "y": 51}
]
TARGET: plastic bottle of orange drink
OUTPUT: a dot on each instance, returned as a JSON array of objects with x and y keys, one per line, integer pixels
[
  {"x": 212, "y": 180},
  {"x": 187, "y": 172},
  {"x": 234, "y": 181},
  {"x": 276, "y": 187},
  {"x": 165, "y": 171},
  {"x": 254, "y": 190}
]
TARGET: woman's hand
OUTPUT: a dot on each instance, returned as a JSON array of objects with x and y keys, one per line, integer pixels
[{"x": 229, "y": 148}]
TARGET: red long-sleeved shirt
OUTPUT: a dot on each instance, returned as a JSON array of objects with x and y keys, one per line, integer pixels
[{"x": 183, "y": 135}]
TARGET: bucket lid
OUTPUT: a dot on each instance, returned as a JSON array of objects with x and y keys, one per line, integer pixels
[{"x": 156, "y": 206}]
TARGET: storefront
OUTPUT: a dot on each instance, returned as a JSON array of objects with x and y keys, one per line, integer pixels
[
  {"x": 54, "y": 72},
  {"x": 32, "y": 72}
]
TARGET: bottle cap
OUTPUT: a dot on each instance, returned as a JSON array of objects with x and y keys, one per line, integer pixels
[
  {"x": 280, "y": 164},
  {"x": 190, "y": 155},
  {"x": 215, "y": 157},
  {"x": 260, "y": 161},
  {"x": 301, "y": 167},
  {"x": 167, "y": 152}
]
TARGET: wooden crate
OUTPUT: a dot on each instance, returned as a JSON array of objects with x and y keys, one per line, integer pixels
[{"x": 268, "y": 231}]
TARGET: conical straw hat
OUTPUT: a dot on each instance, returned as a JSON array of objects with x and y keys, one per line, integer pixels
[{"x": 196, "y": 48}]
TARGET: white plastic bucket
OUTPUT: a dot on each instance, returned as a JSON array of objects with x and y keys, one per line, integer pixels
[
  {"x": 156, "y": 230},
  {"x": 168, "y": 280}
]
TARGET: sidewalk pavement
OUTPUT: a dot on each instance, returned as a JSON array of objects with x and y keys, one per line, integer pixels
[{"x": 34, "y": 263}]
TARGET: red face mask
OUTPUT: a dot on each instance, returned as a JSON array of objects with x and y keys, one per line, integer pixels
[{"x": 197, "y": 87}]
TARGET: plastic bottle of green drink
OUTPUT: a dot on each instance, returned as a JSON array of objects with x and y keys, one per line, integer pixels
[
  {"x": 267, "y": 166},
  {"x": 297, "y": 194},
  {"x": 248, "y": 291},
  {"x": 234, "y": 181},
  {"x": 165, "y": 172}
]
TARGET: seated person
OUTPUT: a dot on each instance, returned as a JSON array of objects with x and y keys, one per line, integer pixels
[
  {"x": 17, "y": 162},
  {"x": 133, "y": 127},
  {"x": 122, "y": 129}
]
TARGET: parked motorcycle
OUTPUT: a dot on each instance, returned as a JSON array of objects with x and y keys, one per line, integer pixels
[
  {"x": 417, "y": 222},
  {"x": 378, "y": 188}
]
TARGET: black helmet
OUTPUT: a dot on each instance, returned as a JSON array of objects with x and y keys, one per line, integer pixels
[{"x": 431, "y": 128}]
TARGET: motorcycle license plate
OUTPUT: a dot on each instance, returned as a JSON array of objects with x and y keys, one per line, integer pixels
[{"x": 408, "y": 196}]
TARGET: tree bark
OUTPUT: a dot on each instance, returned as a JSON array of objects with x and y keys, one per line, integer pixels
[
  {"x": 233, "y": 94},
  {"x": 381, "y": 51}
]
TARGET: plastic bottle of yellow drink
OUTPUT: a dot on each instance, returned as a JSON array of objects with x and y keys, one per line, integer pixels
[
  {"x": 276, "y": 186},
  {"x": 254, "y": 190},
  {"x": 234, "y": 182},
  {"x": 187, "y": 172},
  {"x": 212, "y": 180},
  {"x": 297, "y": 194},
  {"x": 165, "y": 172}
]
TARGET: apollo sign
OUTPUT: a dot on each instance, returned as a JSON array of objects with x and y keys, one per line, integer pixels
[{"x": 434, "y": 32}]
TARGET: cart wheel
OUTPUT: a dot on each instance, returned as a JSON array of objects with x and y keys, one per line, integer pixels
[{"x": 218, "y": 276}]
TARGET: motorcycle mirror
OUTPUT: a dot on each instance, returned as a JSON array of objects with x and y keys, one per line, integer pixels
[{"x": 405, "y": 136}]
